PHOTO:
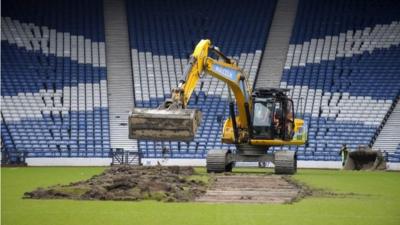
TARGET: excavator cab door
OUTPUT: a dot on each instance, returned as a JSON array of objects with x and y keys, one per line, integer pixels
[
  {"x": 288, "y": 119},
  {"x": 273, "y": 115},
  {"x": 263, "y": 118}
]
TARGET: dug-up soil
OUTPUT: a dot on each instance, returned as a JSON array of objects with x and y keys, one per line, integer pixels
[
  {"x": 132, "y": 183},
  {"x": 177, "y": 184}
]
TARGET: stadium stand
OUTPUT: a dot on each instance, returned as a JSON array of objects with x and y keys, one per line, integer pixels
[
  {"x": 162, "y": 36},
  {"x": 343, "y": 68},
  {"x": 54, "y": 82}
]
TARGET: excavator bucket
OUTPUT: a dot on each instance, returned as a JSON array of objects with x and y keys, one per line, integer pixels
[
  {"x": 164, "y": 124},
  {"x": 365, "y": 159}
]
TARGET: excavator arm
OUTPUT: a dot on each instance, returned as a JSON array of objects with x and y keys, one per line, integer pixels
[
  {"x": 172, "y": 120},
  {"x": 225, "y": 70}
]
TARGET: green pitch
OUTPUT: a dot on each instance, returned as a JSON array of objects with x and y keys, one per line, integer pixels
[{"x": 375, "y": 199}]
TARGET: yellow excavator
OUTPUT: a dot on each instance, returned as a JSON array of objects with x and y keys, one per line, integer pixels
[{"x": 263, "y": 117}]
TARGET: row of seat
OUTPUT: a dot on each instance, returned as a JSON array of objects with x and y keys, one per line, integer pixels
[
  {"x": 317, "y": 19},
  {"x": 84, "y": 17},
  {"x": 174, "y": 28}
]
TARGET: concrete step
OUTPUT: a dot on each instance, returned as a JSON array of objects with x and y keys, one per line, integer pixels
[
  {"x": 389, "y": 138},
  {"x": 119, "y": 70},
  {"x": 274, "y": 57}
]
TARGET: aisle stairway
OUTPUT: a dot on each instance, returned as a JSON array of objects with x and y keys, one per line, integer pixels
[
  {"x": 274, "y": 57},
  {"x": 389, "y": 138},
  {"x": 120, "y": 84}
]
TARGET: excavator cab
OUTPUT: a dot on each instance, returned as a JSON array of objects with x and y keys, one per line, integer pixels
[{"x": 273, "y": 114}]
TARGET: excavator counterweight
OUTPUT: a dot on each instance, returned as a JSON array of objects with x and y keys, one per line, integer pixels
[{"x": 164, "y": 124}]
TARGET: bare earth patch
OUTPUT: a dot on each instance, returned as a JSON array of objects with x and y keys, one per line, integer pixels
[
  {"x": 179, "y": 184},
  {"x": 131, "y": 183}
]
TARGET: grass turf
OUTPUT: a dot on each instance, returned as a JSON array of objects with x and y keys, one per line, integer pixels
[{"x": 376, "y": 200}]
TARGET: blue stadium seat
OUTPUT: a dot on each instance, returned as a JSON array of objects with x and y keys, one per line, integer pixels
[
  {"x": 343, "y": 67},
  {"x": 44, "y": 86}
]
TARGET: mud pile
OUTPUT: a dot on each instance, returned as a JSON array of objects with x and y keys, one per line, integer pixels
[{"x": 132, "y": 183}]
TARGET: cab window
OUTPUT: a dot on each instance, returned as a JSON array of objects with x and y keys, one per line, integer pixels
[{"x": 262, "y": 114}]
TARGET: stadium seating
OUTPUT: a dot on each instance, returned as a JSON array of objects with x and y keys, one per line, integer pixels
[
  {"x": 163, "y": 35},
  {"x": 53, "y": 87},
  {"x": 343, "y": 68},
  {"x": 394, "y": 156}
]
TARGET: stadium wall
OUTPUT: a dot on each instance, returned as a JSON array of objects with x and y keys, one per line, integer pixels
[{"x": 179, "y": 162}]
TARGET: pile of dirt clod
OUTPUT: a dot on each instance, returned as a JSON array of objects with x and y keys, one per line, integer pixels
[{"x": 132, "y": 183}]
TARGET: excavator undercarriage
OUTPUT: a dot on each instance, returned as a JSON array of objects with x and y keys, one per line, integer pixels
[{"x": 219, "y": 161}]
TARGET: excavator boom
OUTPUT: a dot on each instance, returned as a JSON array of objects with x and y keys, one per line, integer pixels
[{"x": 172, "y": 121}]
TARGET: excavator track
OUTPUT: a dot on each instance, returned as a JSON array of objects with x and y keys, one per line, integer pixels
[
  {"x": 285, "y": 162},
  {"x": 218, "y": 161}
]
